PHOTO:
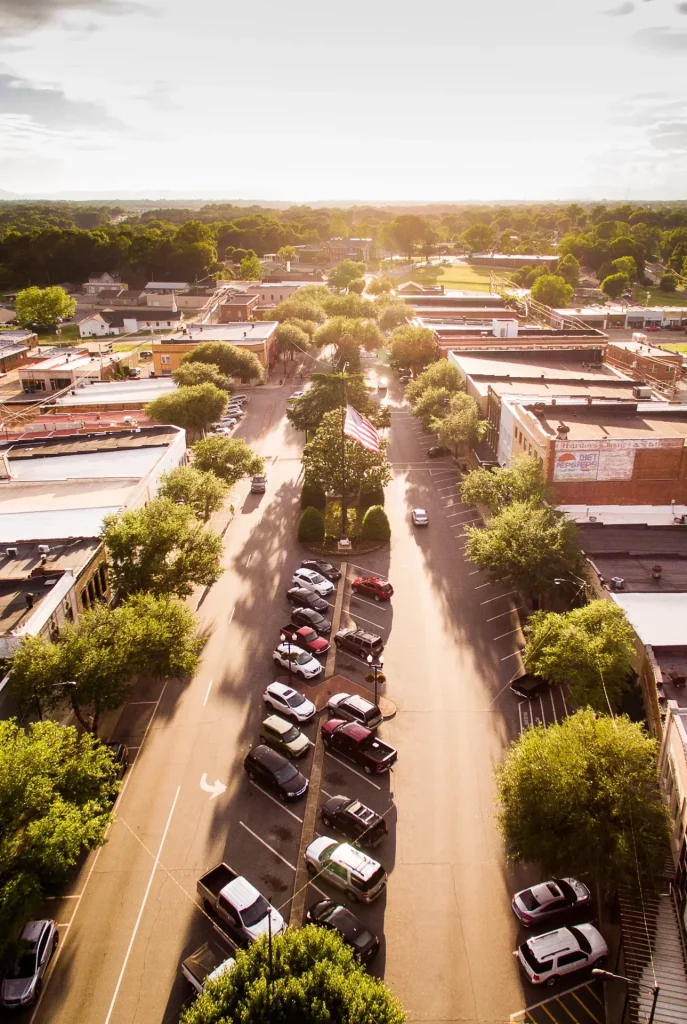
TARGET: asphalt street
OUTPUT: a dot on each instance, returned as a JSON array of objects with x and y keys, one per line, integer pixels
[{"x": 452, "y": 645}]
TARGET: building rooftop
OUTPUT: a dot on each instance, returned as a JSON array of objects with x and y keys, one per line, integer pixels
[
  {"x": 46, "y": 450},
  {"x": 18, "y": 336},
  {"x": 166, "y": 285},
  {"x": 618, "y": 515},
  {"x": 528, "y": 365},
  {"x": 648, "y": 350},
  {"x": 658, "y": 619},
  {"x": 634, "y": 554},
  {"x": 235, "y": 334},
  {"x": 608, "y": 420},
  {"x": 69, "y": 361},
  {"x": 134, "y": 392},
  {"x": 116, "y": 317}
]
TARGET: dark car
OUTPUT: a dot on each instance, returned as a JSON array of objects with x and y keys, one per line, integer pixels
[
  {"x": 326, "y": 569},
  {"x": 437, "y": 451},
  {"x": 309, "y": 617},
  {"x": 120, "y": 756},
  {"x": 354, "y": 820},
  {"x": 359, "y": 642},
  {"x": 332, "y": 915},
  {"x": 527, "y": 685},
  {"x": 373, "y": 586},
  {"x": 306, "y": 599},
  {"x": 264, "y": 765}
]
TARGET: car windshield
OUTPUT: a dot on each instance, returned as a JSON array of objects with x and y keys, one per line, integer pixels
[
  {"x": 309, "y": 635},
  {"x": 255, "y": 912},
  {"x": 294, "y": 700},
  {"x": 25, "y": 967},
  {"x": 303, "y": 659},
  {"x": 316, "y": 578},
  {"x": 582, "y": 939},
  {"x": 286, "y": 773},
  {"x": 529, "y": 900},
  {"x": 566, "y": 889},
  {"x": 291, "y": 735},
  {"x": 363, "y": 939},
  {"x": 385, "y": 587},
  {"x": 529, "y": 958}
]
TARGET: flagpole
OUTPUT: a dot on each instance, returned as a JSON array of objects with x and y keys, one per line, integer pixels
[{"x": 344, "y": 510}]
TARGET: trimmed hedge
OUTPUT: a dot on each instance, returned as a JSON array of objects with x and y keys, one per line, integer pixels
[
  {"x": 376, "y": 524},
  {"x": 313, "y": 496},
  {"x": 311, "y": 525},
  {"x": 371, "y": 494}
]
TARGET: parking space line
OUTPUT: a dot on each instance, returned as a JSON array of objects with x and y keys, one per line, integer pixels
[
  {"x": 500, "y": 596},
  {"x": 513, "y": 654},
  {"x": 501, "y": 614},
  {"x": 548, "y": 1014},
  {"x": 562, "y": 1004},
  {"x": 373, "y": 604},
  {"x": 465, "y": 512},
  {"x": 359, "y": 774},
  {"x": 489, "y": 583},
  {"x": 584, "y": 1007},
  {"x": 370, "y": 572},
  {"x": 447, "y": 487},
  {"x": 267, "y": 846},
  {"x": 594, "y": 995},
  {"x": 474, "y": 572},
  {"x": 509, "y": 633},
  {"x": 362, "y": 619},
  {"x": 328, "y": 795},
  {"x": 207, "y": 693},
  {"x": 277, "y": 802}
]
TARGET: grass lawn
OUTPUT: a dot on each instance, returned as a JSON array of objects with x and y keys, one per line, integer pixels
[
  {"x": 679, "y": 346},
  {"x": 659, "y": 298},
  {"x": 69, "y": 333},
  {"x": 461, "y": 278}
]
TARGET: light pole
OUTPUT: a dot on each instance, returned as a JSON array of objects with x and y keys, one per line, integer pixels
[
  {"x": 375, "y": 665},
  {"x": 288, "y": 658},
  {"x": 67, "y": 686},
  {"x": 655, "y": 989}
]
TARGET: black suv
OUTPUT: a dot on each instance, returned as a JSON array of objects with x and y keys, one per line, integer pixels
[
  {"x": 357, "y": 641},
  {"x": 262, "y": 764},
  {"x": 306, "y": 599},
  {"x": 354, "y": 819},
  {"x": 326, "y": 569},
  {"x": 309, "y": 617}
]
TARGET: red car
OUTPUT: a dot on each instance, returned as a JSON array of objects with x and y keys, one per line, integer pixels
[
  {"x": 652, "y": 327},
  {"x": 373, "y": 587},
  {"x": 306, "y": 638}
]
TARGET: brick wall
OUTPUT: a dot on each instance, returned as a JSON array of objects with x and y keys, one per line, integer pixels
[{"x": 659, "y": 477}]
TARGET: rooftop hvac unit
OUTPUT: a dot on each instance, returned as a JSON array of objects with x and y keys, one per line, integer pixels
[
  {"x": 617, "y": 583},
  {"x": 641, "y": 391},
  {"x": 43, "y": 549},
  {"x": 12, "y": 552}
]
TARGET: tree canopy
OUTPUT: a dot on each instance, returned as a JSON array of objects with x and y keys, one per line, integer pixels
[
  {"x": 322, "y": 459},
  {"x": 394, "y": 314},
  {"x": 314, "y": 978},
  {"x": 347, "y": 271},
  {"x": 522, "y": 481},
  {"x": 250, "y": 268},
  {"x": 193, "y": 408},
  {"x": 614, "y": 285},
  {"x": 203, "y": 492},
  {"x": 459, "y": 425},
  {"x": 569, "y": 269},
  {"x": 440, "y": 374},
  {"x": 161, "y": 548},
  {"x": 582, "y": 795},
  {"x": 413, "y": 346},
  {"x": 349, "y": 335},
  {"x": 42, "y": 308},
  {"x": 530, "y": 544},
  {"x": 229, "y": 458},
  {"x": 327, "y": 392},
  {"x": 291, "y": 338},
  {"x": 192, "y": 374},
  {"x": 56, "y": 789},
  {"x": 229, "y": 360},
  {"x": 591, "y": 649},
  {"x": 552, "y": 290}
]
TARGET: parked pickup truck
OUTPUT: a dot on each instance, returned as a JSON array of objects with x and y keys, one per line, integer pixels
[
  {"x": 238, "y": 904},
  {"x": 359, "y": 745},
  {"x": 206, "y": 964},
  {"x": 305, "y": 637}
]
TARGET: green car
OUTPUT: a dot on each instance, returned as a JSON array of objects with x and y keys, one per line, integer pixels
[{"x": 284, "y": 737}]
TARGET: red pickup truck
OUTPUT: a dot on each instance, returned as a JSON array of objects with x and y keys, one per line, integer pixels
[
  {"x": 359, "y": 745},
  {"x": 306, "y": 638}
]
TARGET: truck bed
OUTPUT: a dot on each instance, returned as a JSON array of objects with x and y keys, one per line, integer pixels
[
  {"x": 214, "y": 881},
  {"x": 377, "y": 751}
]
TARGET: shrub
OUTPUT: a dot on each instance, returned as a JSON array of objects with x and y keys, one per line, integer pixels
[
  {"x": 668, "y": 283},
  {"x": 376, "y": 524},
  {"x": 311, "y": 525},
  {"x": 371, "y": 494},
  {"x": 312, "y": 495},
  {"x": 332, "y": 521}
]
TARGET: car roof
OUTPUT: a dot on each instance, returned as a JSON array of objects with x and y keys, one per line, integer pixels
[
  {"x": 308, "y": 573},
  {"x": 355, "y": 860},
  {"x": 420, "y": 511},
  {"x": 282, "y": 689},
  {"x": 346, "y": 922},
  {"x": 353, "y": 700},
  {"x": 561, "y": 940},
  {"x": 356, "y": 731},
  {"x": 266, "y": 756},
  {"x": 243, "y": 894},
  {"x": 277, "y": 723}
]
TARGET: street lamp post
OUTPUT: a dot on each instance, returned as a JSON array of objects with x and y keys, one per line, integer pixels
[
  {"x": 288, "y": 658},
  {"x": 375, "y": 666},
  {"x": 655, "y": 989}
]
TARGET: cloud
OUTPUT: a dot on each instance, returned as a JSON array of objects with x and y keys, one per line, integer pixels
[
  {"x": 681, "y": 8},
  {"x": 670, "y": 135},
  {"x": 646, "y": 111},
  {"x": 662, "y": 39},
  {"x": 17, "y": 17},
  {"x": 620, "y": 12},
  {"x": 158, "y": 95},
  {"x": 51, "y": 107}
]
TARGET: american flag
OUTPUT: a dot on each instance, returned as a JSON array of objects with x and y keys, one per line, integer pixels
[{"x": 360, "y": 429}]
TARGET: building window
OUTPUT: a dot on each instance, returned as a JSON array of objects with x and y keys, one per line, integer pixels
[
  {"x": 165, "y": 360},
  {"x": 84, "y": 598},
  {"x": 102, "y": 572}
]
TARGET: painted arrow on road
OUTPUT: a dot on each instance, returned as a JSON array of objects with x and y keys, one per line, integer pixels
[{"x": 216, "y": 787}]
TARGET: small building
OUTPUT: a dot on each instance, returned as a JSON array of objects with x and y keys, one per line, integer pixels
[
  {"x": 166, "y": 287},
  {"x": 108, "y": 281},
  {"x": 452, "y": 300},
  {"x": 7, "y": 316},
  {"x": 257, "y": 337},
  {"x": 238, "y": 308},
  {"x": 360, "y": 250},
  {"x": 12, "y": 353},
  {"x": 67, "y": 370},
  {"x": 413, "y": 288},
  {"x": 129, "y": 321},
  {"x": 129, "y": 396}
]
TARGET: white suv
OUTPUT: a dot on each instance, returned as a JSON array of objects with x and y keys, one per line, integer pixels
[
  {"x": 546, "y": 957},
  {"x": 346, "y": 867},
  {"x": 311, "y": 580}
]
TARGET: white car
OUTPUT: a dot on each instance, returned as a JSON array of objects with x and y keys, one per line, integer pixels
[
  {"x": 311, "y": 580},
  {"x": 296, "y": 394},
  {"x": 23, "y": 978},
  {"x": 347, "y": 867},
  {"x": 302, "y": 663},
  {"x": 206, "y": 964},
  {"x": 289, "y": 702},
  {"x": 546, "y": 957},
  {"x": 420, "y": 517}
]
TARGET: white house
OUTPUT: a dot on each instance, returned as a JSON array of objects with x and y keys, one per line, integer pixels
[
  {"x": 129, "y": 321},
  {"x": 107, "y": 281}
]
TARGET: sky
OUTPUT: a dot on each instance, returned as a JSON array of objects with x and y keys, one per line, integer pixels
[{"x": 386, "y": 100}]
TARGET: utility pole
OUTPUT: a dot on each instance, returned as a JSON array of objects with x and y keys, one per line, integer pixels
[{"x": 344, "y": 508}]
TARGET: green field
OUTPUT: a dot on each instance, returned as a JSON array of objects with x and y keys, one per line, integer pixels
[
  {"x": 678, "y": 346},
  {"x": 461, "y": 278},
  {"x": 659, "y": 298}
]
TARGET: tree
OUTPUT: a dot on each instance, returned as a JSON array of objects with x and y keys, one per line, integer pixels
[
  {"x": 460, "y": 425},
  {"x": 413, "y": 346},
  {"x": 229, "y": 458},
  {"x": 614, "y": 285},
  {"x": 37, "y": 672},
  {"x": 591, "y": 649},
  {"x": 311, "y": 526},
  {"x": 376, "y": 524},
  {"x": 250, "y": 268},
  {"x": 381, "y": 285},
  {"x": 432, "y": 404},
  {"x": 298, "y": 308},
  {"x": 683, "y": 269},
  {"x": 286, "y": 252},
  {"x": 529, "y": 544},
  {"x": 495, "y": 488},
  {"x": 371, "y": 494},
  {"x": 229, "y": 360},
  {"x": 347, "y": 271},
  {"x": 668, "y": 283},
  {"x": 329, "y": 391},
  {"x": 161, "y": 634},
  {"x": 312, "y": 495},
  {"x": 162, "y": 548},
  {"x": 191, "y": 374},
  {"x": 552, "y": 290},
  {"x": 348, "y": 336},
  {"x": 441, "y": 374},
  {"x": 394, "y": 315},
  {"x": 406, "y": 232},
  {"x": 569, "y": 269},
  {"x": 357, "y": 286},
  {"x": 311, "y": 976},
  {"x": 290, "y": 338},
  {"x": 193, "y": 408},
  {"x": 625, "y": 265},
  {"x": 479, "y": 237},
  {"x": 42, "y": 308},
  {"x": 56, "y": 791},
  {"x": 322, "y": 459},
  {"x": 203, "y": 492},
  {"x": 582, "y": 796}
]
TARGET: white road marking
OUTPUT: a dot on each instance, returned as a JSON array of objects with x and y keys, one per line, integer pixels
[
  {"x": 489, "y": 583},
  {"x": 447, "y": 487},
  {"x": 277, "y": 802},
  {"x": 267, "y": 845},
  {"x": 232, "y": 615},
  {"x": 368, "y": 572},
  {"x": 509, "y": 594},
  {"x": 373, "y": 604},
  {"x": 474, "y": 572},
  {"x": 216, "y": 787},
  {"x": 553, "y": 706},
  {"x": 466, "y": 522},
  {"x": 501, "y": 614},
  {"x": 142, "y": 907},
  {"x": 135, "y": 703},
  {"x": 509, "y": 633},
  {"x": 359, "y": 774},
  {"x": 248, "y": 560},
  {"x": 328, "y": 795},
  {"x": 563, "y": 699},
  {"x": 207, "y": 693},
  {"x": 465, "y": 512},
  {"x": 360, "y": 618},
  {"x": 513, "y": 655}
]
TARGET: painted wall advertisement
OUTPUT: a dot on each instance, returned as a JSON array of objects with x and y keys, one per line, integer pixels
[
  {"x": 603, "y": 460},
  {"x": 506, "y": 429}
]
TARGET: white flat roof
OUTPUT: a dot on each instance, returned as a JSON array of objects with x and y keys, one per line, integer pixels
[
  {"x": 126, "y": 463},
  {"x": 166, "y": 284},
  {"x": 658, "y": 619},
  {"x": 236, "y": 334},
  {"x": 69, "y": 522},
  {"x": 617, "y": 515},
  {"x": 144, "y": 390}
]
